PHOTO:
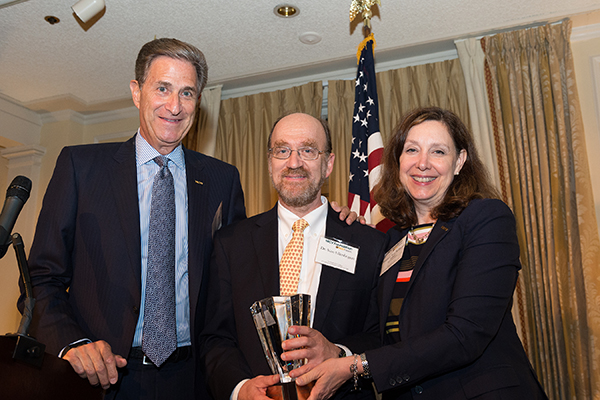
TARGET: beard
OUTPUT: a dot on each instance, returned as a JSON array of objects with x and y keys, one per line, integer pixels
[{"x": 299, "y": 194}]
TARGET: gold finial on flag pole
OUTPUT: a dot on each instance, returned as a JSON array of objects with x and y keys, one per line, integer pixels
[{"x": 363, "y": 7}]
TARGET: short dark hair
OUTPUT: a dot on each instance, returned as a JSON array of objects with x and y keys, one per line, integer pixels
[
  {"x": 472, "y": 183},
  {"x": 323, "y": 122},
  {"x": 172, "y": 48}
]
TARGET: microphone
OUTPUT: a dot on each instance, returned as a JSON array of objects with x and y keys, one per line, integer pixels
[{"x": 16, "y": 196}]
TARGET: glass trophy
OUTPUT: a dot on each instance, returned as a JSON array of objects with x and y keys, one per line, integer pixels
[{"x": 272, "y": 318}]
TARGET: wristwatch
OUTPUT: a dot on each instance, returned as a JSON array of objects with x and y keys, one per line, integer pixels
[{"x": 365, "y": 364}]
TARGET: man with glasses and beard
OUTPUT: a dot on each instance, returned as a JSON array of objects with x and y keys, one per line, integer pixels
[{"x": 245, "y": 267}]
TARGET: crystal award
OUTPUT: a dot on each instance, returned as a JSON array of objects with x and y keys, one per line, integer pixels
[{"x": 272, "y": 317}]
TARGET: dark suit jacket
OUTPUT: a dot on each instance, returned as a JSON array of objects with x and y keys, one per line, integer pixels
[
  {"x": 245, "y": 268},
  {"x": 457, "y": 336},
  {"x": 87, "y": 241}
]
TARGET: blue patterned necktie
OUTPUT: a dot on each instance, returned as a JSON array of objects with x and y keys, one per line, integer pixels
[{"x": 159, "y": 337}]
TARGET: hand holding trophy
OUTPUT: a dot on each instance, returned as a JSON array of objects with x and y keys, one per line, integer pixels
[{"x": 272, "y": 317}]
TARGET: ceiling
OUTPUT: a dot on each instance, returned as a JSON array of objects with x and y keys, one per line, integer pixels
[{"x": 87, "y": 67}]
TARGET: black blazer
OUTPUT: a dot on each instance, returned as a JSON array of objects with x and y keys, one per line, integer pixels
[
  {"x": 87, "y": 241},
  {"x": 245, "y": 268},
  {"x": 457, "y": 336}
]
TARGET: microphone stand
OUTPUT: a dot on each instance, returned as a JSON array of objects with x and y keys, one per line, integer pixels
[
  {"x": 27, "y": 349},
  {"x": 23, "y": 376}
]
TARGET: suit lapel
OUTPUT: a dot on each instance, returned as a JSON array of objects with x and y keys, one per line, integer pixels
[
  {"x": 330, "y": 276},
  {"x": 198, "y": 188},
  {"x": 123, "y": 176},
  {"x": 265, "y": 243}
]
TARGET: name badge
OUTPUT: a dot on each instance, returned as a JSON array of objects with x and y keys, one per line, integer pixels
[
  {"x": 393, "y": 255},
  {"x": 337, "y": 253}
]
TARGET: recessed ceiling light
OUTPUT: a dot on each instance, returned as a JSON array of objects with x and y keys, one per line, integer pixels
[
  {"x": 51, "y": 19},
  {"x": 286, "y": 11},
  {"x": 310, "y": 38}
]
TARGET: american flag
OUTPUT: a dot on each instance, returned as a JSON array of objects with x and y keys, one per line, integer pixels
[{"x": 367, "y": 145}]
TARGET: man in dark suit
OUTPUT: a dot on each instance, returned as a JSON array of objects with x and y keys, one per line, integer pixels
[
  {"x": 244, "y": 268},
  {"x": 89, "y": 258}
]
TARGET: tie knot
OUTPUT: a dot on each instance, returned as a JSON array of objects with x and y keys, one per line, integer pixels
[
  {"x": 161, "y": 160},
  {"x": 299, "y": 226}
]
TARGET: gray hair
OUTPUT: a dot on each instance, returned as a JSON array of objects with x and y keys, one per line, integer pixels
[{"x": 172, "y": 48}]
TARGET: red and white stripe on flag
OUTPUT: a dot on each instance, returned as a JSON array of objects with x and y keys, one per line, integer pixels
[{"x": 367, "y": 145}]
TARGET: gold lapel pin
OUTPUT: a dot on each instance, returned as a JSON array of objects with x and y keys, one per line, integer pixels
[{"x": 199, "y": 183}]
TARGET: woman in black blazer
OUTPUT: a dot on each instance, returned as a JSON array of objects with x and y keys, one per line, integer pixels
[{"x": 446, "y": 286}]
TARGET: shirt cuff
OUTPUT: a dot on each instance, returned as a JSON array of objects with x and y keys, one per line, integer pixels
[
  {"x": 76, "y": 343},
  {"x": 347, "y": 350},
  {"x": 236, "y": 390}
]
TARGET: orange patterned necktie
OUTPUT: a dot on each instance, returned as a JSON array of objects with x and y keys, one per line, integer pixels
[{"x": 291, "y": 261}]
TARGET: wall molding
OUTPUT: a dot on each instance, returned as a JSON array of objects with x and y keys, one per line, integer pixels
[
  {"x": 89, "y": 119},
  {"x": 340, "y": 74},
  {"x": 10, "y": 107},
  {"x": 113, "y": 136},
  {"x": 586, "y": 32}
]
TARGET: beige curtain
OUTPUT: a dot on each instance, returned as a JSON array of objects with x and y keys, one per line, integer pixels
[
  {"x": 545, "y": 176},
  {"x": 203, "y": 134},
  {"x": 244, "y": 127},
  {"x": 340, "y": 107},
  {"x": 472, "y": 58},
  {"x": 399, "y": 91}
]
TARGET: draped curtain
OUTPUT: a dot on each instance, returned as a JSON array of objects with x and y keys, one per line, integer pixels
[
  {"x": 437, "y": 84},
  {"x": 203, "y": 133},
  {"x": 472, "y": 59},
  {"x": 340, "y": 107},
  {"x": 544, "y": 175},
  {"x": 243, "y": 131}
]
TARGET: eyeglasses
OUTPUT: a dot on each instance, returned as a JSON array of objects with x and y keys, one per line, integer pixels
[{"x": 305, "y": 153}]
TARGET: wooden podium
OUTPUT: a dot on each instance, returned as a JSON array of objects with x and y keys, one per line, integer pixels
[{"x": 54, "y": 380}]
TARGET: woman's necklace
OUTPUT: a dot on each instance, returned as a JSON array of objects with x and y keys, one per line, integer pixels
[{"x": 418, "y": 235}]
